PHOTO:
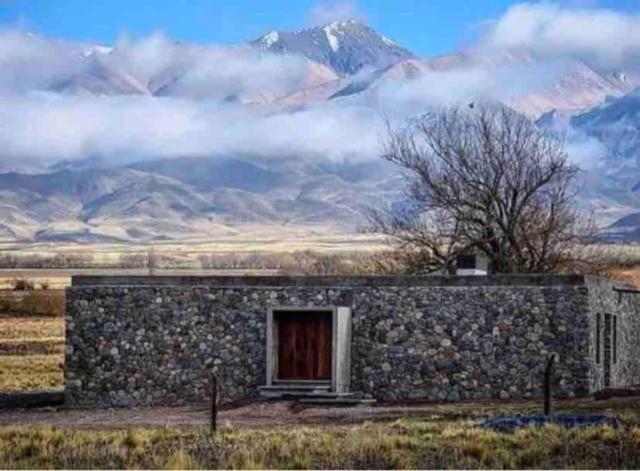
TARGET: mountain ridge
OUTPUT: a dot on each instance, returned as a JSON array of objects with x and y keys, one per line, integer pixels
[
  {"x": 345, "y": 46},
  {"x": 169, "y": 199},
  {"x": 337, "y": 65}
]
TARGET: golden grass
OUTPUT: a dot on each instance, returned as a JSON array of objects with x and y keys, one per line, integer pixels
[
  {"x": 31, "y": 328},
  {"x": 32, "y": 347},
  {"x": 34, "y": 303},
  {"x": 25, "y": 372},
  {"x": 629, "y": 275},
  {"x": 31, "y": 353},
  {"x": 403, "y": 444},
  {"x": 625, "y": 255},
  {"x": 38, "y": 278}
]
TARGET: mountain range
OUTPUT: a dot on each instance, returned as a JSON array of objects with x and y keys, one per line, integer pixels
[
  {"x": 345, "y": 63},
  {"x": 189, "y": 197}
]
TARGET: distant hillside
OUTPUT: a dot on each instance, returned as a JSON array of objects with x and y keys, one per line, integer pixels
[{"x": 181, "y": 198}]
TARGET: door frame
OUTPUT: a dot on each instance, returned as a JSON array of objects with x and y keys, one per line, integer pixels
[{"x": 340, "y": 344}]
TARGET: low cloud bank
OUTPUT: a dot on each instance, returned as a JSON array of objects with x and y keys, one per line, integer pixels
[
  {"x": 606, "y": 37},
  {"x": 153, "y": 97},
  {"x": 46, "y": 128}
]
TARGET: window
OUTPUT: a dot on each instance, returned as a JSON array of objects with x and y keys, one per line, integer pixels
[
  {"x": 598, "y": 328},
  {"x": 607, "y": 354},
  {"x": 466, "y": 261},
  {"x": 615, "y": 339}
]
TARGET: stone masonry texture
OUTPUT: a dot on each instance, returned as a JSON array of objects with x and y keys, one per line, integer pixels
[
  {"x": 156, "y": 341},
  {"x": 625, "y": 305}
]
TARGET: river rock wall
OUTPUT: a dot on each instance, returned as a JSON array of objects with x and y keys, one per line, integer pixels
[{"x": 156, "y": 341}]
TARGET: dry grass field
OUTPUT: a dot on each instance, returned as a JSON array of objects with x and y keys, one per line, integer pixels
[
  {"x": 629, "y": 275},
  {"x": 47, "y": 268},
  {"x": 23, "y": 329},
  {"x": 31, "y": 340},
  {"x": 398, "y": 444},
  {"x": 252, "y": 249},
  {"x": 30, "y": 372},
  {"x": 620, "y": 262}
]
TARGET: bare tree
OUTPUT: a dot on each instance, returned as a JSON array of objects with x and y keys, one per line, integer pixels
[{"x": 483, "y": 178}]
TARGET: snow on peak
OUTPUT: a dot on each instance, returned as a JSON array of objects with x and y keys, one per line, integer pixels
[
  {"x": 341, "y": 24},
  {"x": 270, "y": 38},
  {"x": 96, "y": 50},
  {"x": 388, "y": 41},
  {"x": 345, "y": 46},
  {"x": 335, "y": 28},
  {"x": 330, "y": 32}
]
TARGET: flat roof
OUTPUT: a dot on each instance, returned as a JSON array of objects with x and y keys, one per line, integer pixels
[{"x": 329, "y": 281}]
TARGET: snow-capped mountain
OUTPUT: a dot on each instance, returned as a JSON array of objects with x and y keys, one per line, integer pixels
[
  {"x": 341, "y": 66},
  {"x": 338, "y": 60},
  {"x": 345, "y": 46}
]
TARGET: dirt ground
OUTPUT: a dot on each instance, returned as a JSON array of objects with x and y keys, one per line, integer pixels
[{"x": 286, "y": 414}]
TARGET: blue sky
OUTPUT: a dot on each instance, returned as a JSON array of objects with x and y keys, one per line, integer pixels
[{"x": 428, "y": 27}]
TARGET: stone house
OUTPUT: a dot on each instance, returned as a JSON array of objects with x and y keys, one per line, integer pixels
[{"x": 157, "y": 340}]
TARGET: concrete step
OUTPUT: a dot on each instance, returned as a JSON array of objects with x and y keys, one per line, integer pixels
[
  {"x": 297, "y": 390},
  {"x": 294, "y": 393},
  {"x": 303, "y": 384},
  {"x": 309, "y": 389}
]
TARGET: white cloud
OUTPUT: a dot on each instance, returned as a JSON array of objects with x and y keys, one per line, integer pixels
[
  {"x": 29, "y": 61},
  {"x": 51, "y": 127},
  {"x": 325, "y": 12},
  {"x": 105, "y": 105},
  {"x": 474, "y": 81},
  {"x": 606, "y": 37},
  {"x": 32, "y": 62},
  {"x": 215, "y": 90}
]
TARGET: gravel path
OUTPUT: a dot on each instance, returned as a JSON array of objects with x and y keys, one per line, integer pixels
[{"x": 284, "y": 414}]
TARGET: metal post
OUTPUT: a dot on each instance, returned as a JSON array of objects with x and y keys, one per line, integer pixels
[
  {"x": 547, "y": 384},
  {"x": 214, "y": 403}
]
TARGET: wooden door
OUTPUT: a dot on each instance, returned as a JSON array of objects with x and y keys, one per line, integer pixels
[{"x": 304, "y": 345}]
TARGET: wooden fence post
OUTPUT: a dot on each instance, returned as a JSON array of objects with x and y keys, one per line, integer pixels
[{"x": 547, "y": 384}]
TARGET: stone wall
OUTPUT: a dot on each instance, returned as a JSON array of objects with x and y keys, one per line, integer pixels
[
  {"x": 156, "y": 340},
  {"x": 145, "y": 345},
  {"x": 461, "y": 343},
  {"x": 159, "y": 344}
]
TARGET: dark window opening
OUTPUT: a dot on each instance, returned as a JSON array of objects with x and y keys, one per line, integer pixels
[
  {"x": 607, "y": 350},
  {"x": 598, "y": 328},
  {"x": 466, "y": 261},
  {"x": 615, "y": 339}
]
